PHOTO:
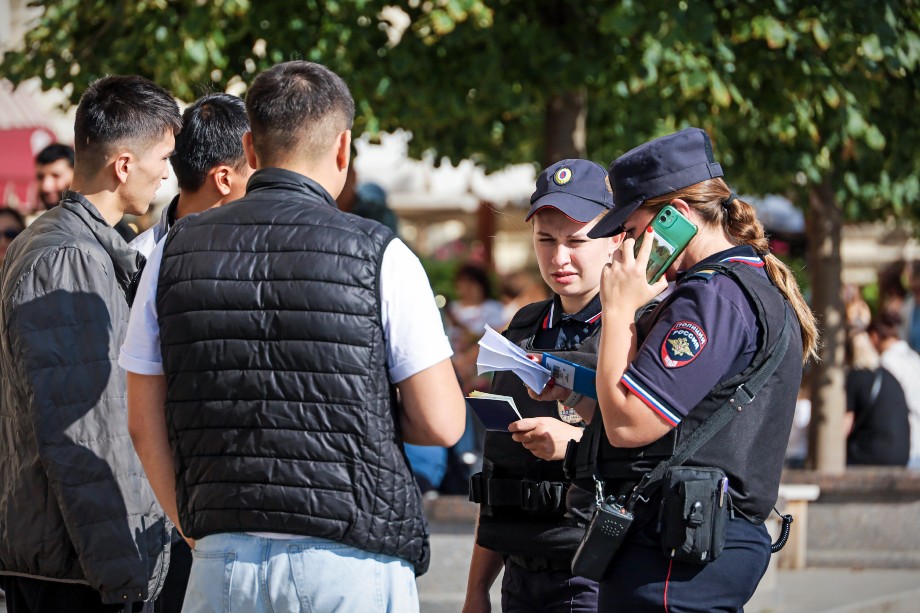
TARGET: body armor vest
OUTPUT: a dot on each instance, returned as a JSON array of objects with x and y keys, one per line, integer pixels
[{"x": 527, "y": 508}]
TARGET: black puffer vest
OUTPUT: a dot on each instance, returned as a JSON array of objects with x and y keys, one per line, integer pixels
[
  {"x": 751, "y": 448},
  {"x": 524, "y": 510},
  {"x": 280, "y": 412}
]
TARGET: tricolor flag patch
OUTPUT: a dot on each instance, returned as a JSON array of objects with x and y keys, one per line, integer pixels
[{"x": 682, "y": 344}]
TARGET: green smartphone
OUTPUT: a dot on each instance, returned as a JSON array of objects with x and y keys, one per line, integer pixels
[{"x": 671, "y": 232}]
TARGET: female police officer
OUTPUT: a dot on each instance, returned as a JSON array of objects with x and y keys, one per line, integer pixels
[
  {"x": 660, "y": 377},
  {"x": 531, "y": 520}
]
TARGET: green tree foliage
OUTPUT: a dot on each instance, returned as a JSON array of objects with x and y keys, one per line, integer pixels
[
  {"x": 792, "y": 91},
  {"x": 812, "y": 98}
]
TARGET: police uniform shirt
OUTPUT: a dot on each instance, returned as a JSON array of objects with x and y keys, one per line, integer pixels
[
  {"x": 561, "y": 332},
  {"x": 706, "y": 332}
]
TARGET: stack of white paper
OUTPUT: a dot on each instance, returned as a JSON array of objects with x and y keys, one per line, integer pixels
[{"x": 498, "y": 353}]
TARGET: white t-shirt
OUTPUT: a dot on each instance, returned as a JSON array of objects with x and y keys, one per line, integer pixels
[
  {"x": 904, "y": 363},
  {"x": 412, "y": 327}
]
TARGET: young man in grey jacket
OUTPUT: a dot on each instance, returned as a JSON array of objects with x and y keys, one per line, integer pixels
[{"x": 81, "y": 528}]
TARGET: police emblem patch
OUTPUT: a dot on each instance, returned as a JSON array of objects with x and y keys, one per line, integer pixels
[
  {"x": 682, "y": 344},
  {"x": 562, "y": 176}
]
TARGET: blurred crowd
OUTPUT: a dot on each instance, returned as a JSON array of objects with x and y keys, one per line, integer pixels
[{"x": 882, "y": 419}]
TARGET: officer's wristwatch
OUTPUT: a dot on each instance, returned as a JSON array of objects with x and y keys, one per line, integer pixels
[{"x": 572, "y": 399}]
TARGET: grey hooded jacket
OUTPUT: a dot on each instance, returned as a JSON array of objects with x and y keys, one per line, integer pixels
[{"x": 75, "y": 505}]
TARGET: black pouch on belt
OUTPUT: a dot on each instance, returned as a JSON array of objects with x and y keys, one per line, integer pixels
[{"x": 694, "y": 513}]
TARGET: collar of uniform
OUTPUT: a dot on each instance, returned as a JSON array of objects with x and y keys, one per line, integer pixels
[
  {"x": 281, "y": 178},
  {"x": 588, "y": 315},
  {"x": 124, "y": 259},
  {"x": 741, "y": 253}
]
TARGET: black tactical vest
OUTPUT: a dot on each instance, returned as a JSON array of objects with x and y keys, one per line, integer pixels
[
  {"x": 751, "y": 448},
  {"x": 279, "y": 409},
  {"x": 526, "y": 503}
]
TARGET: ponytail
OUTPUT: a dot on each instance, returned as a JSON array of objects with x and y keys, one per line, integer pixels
[
  {"x": 719, "y": 206},
  {"x": 741, "y": 223}
]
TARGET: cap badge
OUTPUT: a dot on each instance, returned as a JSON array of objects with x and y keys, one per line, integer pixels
[{"x": 562, "y": 176}]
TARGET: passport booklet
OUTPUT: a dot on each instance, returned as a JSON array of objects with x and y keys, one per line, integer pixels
[{"x": 496, "y": 412}]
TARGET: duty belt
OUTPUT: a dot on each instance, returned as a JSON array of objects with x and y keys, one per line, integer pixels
[{"x": 536, "y": 496}]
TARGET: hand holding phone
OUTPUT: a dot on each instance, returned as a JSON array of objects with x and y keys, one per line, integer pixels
[{"x": 671, "y": 233}]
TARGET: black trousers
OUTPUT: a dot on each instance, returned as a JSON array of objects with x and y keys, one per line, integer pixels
[
  {"x": 180, "y": 565},
  {"x": 546, "y": 591},
  {"x": 25, "y": 595},
  {"x": 642, "y": 580}
]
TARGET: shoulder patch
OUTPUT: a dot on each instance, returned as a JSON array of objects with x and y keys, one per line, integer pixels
[{"x": 682, "y": 344}]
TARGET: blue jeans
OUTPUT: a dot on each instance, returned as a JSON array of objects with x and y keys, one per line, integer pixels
[{"x": 243, "y": 573}]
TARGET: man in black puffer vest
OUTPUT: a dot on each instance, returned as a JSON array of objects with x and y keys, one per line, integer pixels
[{"x": 292, "y": 348}]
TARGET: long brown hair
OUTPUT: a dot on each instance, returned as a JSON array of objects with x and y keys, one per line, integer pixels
[{"x": 739, "y": 220}]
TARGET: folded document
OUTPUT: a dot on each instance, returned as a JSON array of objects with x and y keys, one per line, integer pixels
[{"x": 498, "y": 353}]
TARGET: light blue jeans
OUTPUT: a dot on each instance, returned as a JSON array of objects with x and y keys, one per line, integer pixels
[{"x": 243, "y": 573}]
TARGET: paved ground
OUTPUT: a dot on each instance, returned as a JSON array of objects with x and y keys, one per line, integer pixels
[
  {"x": 805, "y": 591},
  {"x": 812, "y": 590}
]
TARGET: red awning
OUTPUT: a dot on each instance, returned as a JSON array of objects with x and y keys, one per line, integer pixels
[
  {"x": 18, "y": 149},
  {"x": 22, "y": 135}
]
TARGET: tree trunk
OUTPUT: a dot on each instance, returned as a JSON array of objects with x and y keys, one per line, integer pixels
[
  {"x": 564, "y": 134},
  {"x": 827, "y": 447}
]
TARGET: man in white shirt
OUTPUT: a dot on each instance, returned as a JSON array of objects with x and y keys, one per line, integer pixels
[
  {"x": 904, "y": 363},
  {"x": 265, "y": 351}
]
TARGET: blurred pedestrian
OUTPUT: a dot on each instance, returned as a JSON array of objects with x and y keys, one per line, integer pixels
[
  {"x": 518, "y": 289},
  {"x": 288, "y": 351},
  {"x": 904, "y": 363},
  {"x": 467, "y": 317},
  {"x": 53, "y": 174},
  {"x": 910, "y": 311},
  {"x": 876, "y": 421},
  {"x": 891, "y": 291},
  {"x": 81, "y": 527}
]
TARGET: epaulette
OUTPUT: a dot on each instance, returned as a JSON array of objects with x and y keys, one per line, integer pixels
[{"x": 704, "y": 274}]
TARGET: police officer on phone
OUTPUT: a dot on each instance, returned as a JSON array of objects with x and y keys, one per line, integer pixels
[
  {"x": 659, "y": 379},
  {"x": 531, "y": 519}
]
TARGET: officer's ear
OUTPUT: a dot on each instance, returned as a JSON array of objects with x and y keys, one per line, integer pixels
[
  {"x": 616, "y": 241},
  {"x": 681, "y": 206}
]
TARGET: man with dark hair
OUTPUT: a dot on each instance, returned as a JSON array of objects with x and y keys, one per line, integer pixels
[
  {"x": 209, "y": 163},
  {"x": 211, "y": 170},
  {"x": 81, "y": 527},
  {"x": 53, "y": 173},
  {"x": 279, "y": 353}
]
